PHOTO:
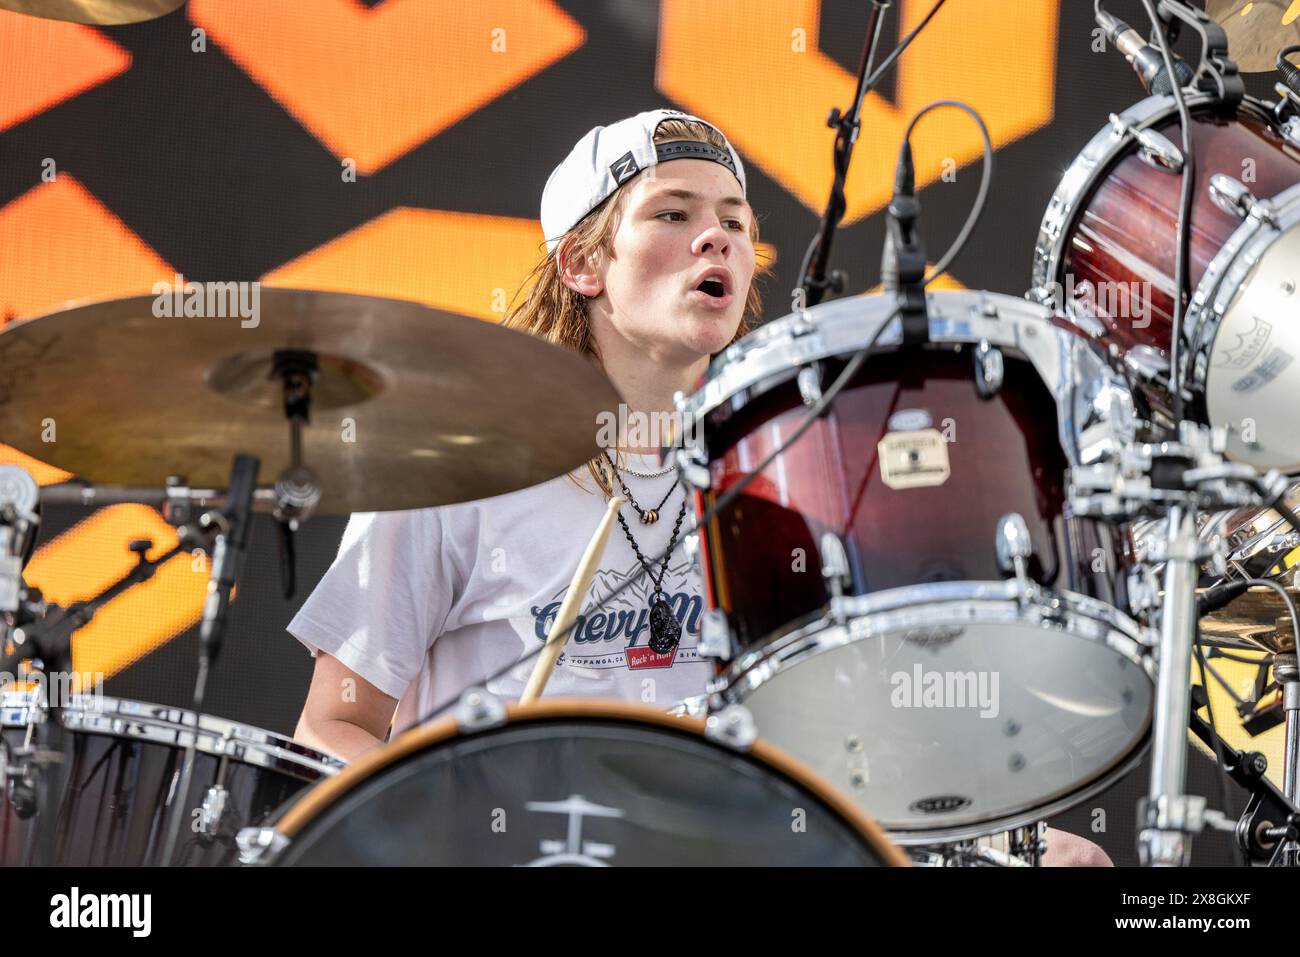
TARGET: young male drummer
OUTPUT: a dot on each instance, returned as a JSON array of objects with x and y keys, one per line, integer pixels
[{"x": 648, "y": 271}]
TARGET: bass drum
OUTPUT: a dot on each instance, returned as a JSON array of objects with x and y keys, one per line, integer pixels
[
  {"x": 572, "y": 783},
  {"x": 125, "y": 759},
  {"x": 1106, "y": 252}
]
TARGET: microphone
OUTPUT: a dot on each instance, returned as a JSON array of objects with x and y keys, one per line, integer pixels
[
  {"x": 1146, "y": 59},
  {"x": 1217, "y": 596},
  {"x": 902, "y": 206},
  {"x": 228, "y": 555},
  {"x": 903, "y": 262},
  {"x": 19, "y": 518}
]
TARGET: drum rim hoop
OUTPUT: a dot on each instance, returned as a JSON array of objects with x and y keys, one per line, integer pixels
[
  {"x": 323, "y": 795},
  {"x": 249, "y": 744},
  {"x": 1082, "y": 176},
  {"x": 1123, "y": 635},
  {"x": 773, "y": 353}
]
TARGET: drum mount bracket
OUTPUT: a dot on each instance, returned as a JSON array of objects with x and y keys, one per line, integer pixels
[
  {"x": 1216, "y": 74},
  {"x": 479, "y": 710},
  {"x": 733, "y": 727}
]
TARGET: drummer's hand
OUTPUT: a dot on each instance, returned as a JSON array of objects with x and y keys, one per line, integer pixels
[{"x": 1070, "y": 850}]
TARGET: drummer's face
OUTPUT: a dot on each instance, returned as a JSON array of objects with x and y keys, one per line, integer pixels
[{"x": 686, "y": 218}]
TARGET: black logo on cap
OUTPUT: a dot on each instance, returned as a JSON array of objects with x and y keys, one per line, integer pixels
[{"x": 624, "y": 168}]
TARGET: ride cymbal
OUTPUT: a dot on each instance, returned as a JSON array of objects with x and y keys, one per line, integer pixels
[
  {"x": 1257, "y": 30},
  {"x": 96, "y": 12},
  {"x": 410, "y": 407}
]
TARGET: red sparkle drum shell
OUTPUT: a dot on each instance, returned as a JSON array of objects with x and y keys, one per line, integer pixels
[
  {"x": 761, "y": 555},
  {"x": 1106, "y": 253},
  {"x": 1126, "y": 233}
]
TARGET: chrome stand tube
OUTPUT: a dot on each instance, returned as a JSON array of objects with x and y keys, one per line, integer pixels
[{"x": 1170, "y": 818}]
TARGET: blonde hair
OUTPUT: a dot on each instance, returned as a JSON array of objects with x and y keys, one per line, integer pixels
[{"x": 545, "y": 307}]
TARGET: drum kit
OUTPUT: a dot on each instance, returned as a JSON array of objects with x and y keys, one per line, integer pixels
[{"x": 960, "y": 550}]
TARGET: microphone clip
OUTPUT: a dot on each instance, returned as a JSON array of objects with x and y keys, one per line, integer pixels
[
  {"x": 1216, "y": 73},
  {"x": 903, "y": 236}
]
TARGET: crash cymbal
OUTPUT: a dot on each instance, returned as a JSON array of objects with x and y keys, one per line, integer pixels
[
  {"x": 97, "y": 12},
  {"x": 1257, "y": 30},
  {"x": 411, "y": 407}
]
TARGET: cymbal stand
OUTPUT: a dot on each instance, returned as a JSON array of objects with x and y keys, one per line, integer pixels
[{"x": 1175, "y": 479}]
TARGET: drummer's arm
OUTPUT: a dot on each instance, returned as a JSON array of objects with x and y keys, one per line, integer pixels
[
  {"x": 1070, "y": 850},
  {"x": 341, "y": 716}
]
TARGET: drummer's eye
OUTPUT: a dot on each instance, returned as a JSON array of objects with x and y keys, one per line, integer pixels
[
  {"x": 735, "y": 224},
  {"x": 673, "y": 212}
]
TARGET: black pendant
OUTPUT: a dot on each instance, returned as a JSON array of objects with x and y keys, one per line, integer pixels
[{"x": 665, "y": 629}]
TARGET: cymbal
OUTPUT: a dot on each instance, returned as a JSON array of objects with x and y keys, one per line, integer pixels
[
  {"x": 96, "y": 12},
  {"x": 1254, "y": 620},
  {"x": 1257, "y": 31},
  {"x": 411, "y": 407}
]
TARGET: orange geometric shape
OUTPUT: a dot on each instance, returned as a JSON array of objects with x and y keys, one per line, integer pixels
[
  {"x": 945, "y": 282},
  {"x": 46, "y": 62},
  {"x": 465, "y": 263},
  {"x": 58, "y": 243},
  {"x": 373, "y": 83},
  {"x": 43, "y": 474},
  {"x": 769, "y": 88},
  {"x": 92, "y": 555},
  {"x": 462, "y": 262}
]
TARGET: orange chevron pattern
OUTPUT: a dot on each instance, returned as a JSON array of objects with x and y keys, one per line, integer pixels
[
  {"x": 58, "y": 244},
  {"x": 775, "y": 129},
  {"x": 373, "y": 83},
  {"x": 46, "y": 62}
]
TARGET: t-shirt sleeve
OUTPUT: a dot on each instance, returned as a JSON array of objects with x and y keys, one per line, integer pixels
[{"x": 385, "y": 598}]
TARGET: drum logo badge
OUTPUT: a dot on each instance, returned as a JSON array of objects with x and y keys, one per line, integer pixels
[
  {"x": 914, "y": 459},
  {"x": 1248, "y": 346},
  {"x": 940, "y": 804}
]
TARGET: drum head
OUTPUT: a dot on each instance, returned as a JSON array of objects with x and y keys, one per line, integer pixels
[
  {"x": 950, "y": 722},
  {"x": 577, "y": 783}
]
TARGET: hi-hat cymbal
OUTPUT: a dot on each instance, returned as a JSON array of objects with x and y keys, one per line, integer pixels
[
  {"x": 1257, "y": 30},
  {"x": 1254, "y": 620},
  {"x": 411, "y": 407},
  {"x": 97, "y": 12}
]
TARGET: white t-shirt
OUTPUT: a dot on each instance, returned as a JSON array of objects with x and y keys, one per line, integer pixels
[{"x": 426, "y": 602}]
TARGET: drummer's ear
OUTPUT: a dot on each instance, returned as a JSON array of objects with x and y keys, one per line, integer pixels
[{"x": 578, "y": 270}]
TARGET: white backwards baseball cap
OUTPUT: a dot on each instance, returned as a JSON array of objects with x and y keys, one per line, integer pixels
[{"x": 609, "y": 156}]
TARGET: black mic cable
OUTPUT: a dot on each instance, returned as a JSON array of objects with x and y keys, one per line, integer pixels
[{"x": 1290, "y": 72}]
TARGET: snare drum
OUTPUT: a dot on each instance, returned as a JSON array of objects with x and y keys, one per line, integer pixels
[
  {"x": 125, "y": 759},
  {"x": 579, "y": 783},
  {"x": 1106, "y": 253},
  {"x": 873, "y": 558}
]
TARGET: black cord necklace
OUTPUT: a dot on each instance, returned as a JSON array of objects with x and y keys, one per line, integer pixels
[
  {"x": 648, "y": 516},
  {"x": 665, "y": 629}
]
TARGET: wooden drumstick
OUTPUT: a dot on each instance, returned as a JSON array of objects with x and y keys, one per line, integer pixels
[{"x": 572, "y": 602}]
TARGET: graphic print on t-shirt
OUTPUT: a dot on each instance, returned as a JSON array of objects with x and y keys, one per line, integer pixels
[{"x": 615, "y": 633}]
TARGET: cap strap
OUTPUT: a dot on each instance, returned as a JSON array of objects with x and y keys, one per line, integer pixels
[{"x": 694, "y": 149}]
